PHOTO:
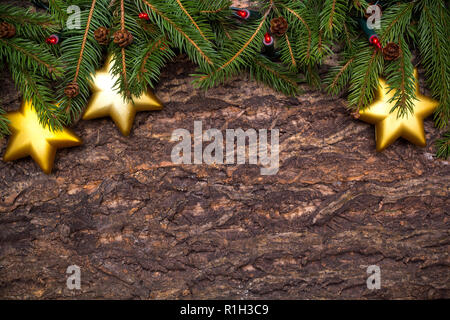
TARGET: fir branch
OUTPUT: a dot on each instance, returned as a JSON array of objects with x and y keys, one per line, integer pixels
[
  {"x": 443, "y": 146},
  {"x": 34, "y": 25},
  {"x": 400, "y": 78},
  {"x": 339, "y": 76},
  {"x": 245, "y": 46},
  {"x": 235, "y": 54},
  {"x": 4, "y": 124},
  {"x": 290, "y": 50},
  {"x": 332, "y": 17},
  {"x": 58, "y": 10},
  {"x": 395, "y": 21},
  {"x": 83, "y": 43},
  {"x": 366, "y": 70},
  {"x": 31, "y": 56},
  {"x": 296, "y": 15},
  {"x": 434, "y": 49},
  {"x": 149, "y": 58},
  {"x": 180, "y": 32},
  {"x": 272, "y": 74},
  {"x": 191, "y": 19},
  {"x": 37, "y": 89},
  {"x": 82, "y": 69}
]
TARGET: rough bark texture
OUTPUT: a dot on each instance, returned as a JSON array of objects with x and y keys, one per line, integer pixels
[{"x": 141, "y": 227}]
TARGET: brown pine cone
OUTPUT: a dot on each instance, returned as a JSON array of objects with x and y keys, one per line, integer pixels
[
  {"x": 7, "y": 30},
  {"x": 72, "y": 90},
  {"x": 123, "y": 38},
  {"x": 391, "y": 51},
  {"x": 102, "y": 35},
  {"x": 278, "y": 26}
]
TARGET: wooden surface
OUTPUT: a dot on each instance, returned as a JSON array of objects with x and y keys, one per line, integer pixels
[{"x": 142, "y": 227}]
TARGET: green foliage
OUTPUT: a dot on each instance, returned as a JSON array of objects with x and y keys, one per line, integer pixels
[
  {"x": 85, "y": 62},
  {"x": 224, "y": 47},
  {"x": 30, "y": 61},
  {"x": 443, "y": 146},
  {"x": 265, "y": 71},
  {"x": 30, "y": 25},
  {"x": 192, "y": 36},
  {"x": 332, "y": 17},
  {"x": 4, "y": 129},
  {"x": 400, "y": 73},
  {"x": 434, "y": 49}
]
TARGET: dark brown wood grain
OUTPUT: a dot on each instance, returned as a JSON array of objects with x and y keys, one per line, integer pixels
[{"x": 141, "y": 227}]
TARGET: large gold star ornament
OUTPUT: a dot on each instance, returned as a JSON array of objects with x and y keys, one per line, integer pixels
[
  {"x": 30, "y": 138},
  {"x": 107, "y": 102},
  {"x": 389, "y": 126}
]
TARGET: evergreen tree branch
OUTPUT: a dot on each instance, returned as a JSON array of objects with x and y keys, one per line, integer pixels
[
  {"x": 34, "y": 25},
  {"x": 82, "y": 65},
  {"x": 4, "y": 124},
  {"x": 367, "y": 68},
  {"x": 443, "y": 146},
  {"x": 434, "y": 49},
  {"x": 30, "y": 55},
  {"x": 236, "y": 54},
  {"x": 191, "y": 19},
  {"x": 332, "y": 17},
  {"x": 272, "y": 74},
  {"x": 83, "y": 43},
  {"x": 180, "y": 32},
  {"x": 400, "y": 78},
  {"x": 37, "y": 89},
  {"x": 297, "y": 15}
]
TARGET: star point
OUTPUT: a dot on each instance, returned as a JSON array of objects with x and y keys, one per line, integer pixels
[
  {"x": 390, "y": 126},
  {"x": 106, "y": 101},
  {"x": 30, "y": 138}
]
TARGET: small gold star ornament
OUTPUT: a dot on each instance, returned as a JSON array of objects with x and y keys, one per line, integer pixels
[
  {"x": 30, "y": 138},
  {"x": 106, "y": 101},
  {"x": 389, "y": 126}
]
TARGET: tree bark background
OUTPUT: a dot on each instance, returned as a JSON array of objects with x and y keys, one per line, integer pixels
[{"x": 141, "y": 227}]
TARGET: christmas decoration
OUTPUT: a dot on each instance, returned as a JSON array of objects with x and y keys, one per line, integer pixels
[
  {"x": 241, "y": 13},
  {"x": 389, "y": 126},
  {"x": 102, "y": 35},
  {"x": 107, "y": 102},
  {"x": 269, "y": 46},
  {"x": 391, "y": 51},
  {"x": 53, "y": 39},
  {"x": 278, "y": 26},
  {"x": 223, "y": 42},
  {"x": 370, "y": 33},
  {"x": 7, "y": 30},
  {"x": 30, "y": 138},
  {"x": 123, "y": 38},
  {"x": 143, "y": 16},
  {"x": 72, "y": 90}
]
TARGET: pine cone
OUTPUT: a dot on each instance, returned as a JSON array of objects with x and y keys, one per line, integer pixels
[
  {"x": 7, "y": 30},
  {"x": 391, "y": 51},
  {"x": 72, "y": 90},
  {"x": 102, "y": 35},
  {"x": 123, "y": 38},
  {"x": 278, "y": 26}
]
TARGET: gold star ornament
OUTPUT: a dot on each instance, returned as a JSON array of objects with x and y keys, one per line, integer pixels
[
  {"x": 106, "y": 101},
  {"x": 389, "y": 126},
  {"x": 30, "y": 138}
]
